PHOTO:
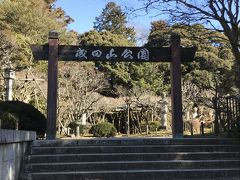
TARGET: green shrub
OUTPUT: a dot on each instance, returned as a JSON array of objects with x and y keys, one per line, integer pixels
[
  {"x": 103, "y": 129},
  {"x": 83, "y": 129},
  {"x": 27, "y": 117},
  {"x": 143, "y": 126},
  {"x": 8, "y": 120},
  {"x": 153, "y": 125}
]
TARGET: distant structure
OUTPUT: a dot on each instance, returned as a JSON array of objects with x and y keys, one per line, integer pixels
[
  {"x": 164, "y": 111},
  {"x": 9, "y": 76}
]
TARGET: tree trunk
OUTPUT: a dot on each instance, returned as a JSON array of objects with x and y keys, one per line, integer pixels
[
  {"x": 236, "y": 54},
  {"x": 232, "y": 34}
]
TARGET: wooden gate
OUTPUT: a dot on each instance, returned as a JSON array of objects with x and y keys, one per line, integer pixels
[{"x": 53, "y": 52}]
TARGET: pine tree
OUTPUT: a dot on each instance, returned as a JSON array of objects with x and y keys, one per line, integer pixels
[
  {"x": 114, "y": 20},
  {"x": 159, "y": 34}
]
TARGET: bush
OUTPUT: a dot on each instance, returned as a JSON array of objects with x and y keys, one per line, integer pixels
[
  {"x": 83, "y": 129},
  {"x": 27, "y": 117},
  {"x": 153, "y": 125},
  {"x": 143, "y": 126},
  {"x": 103, "y": 129},
  {"x": 8, "y": 120}
]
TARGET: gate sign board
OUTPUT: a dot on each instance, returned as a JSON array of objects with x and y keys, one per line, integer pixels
[
  {"x": 53, "y": 52},
  {"x": 114, "y": 54}
]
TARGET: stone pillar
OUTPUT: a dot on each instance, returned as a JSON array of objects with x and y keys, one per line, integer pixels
[
  {"x": 78, "y": 130},
  {"x": 164, "y": 112}
]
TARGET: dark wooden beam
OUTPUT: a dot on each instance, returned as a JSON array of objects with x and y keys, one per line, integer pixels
[
  {"x": 124, "y": 54},
  {"x": 176, "y": 88},
  {"x": 52, "y": 85}
]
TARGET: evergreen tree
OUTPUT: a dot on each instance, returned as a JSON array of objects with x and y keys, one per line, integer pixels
[
  {"x": 111, "y": 30},
  {"x": 159, "y": 34},
  {"x": 105, "y": 38},
  {"x": 212, "y": 69},
  {"x": 158, "y": 37},
  {"x": 220, "y": 15},
  {"x": 116, "y": 73},
  {"x": 146, "y": 76},
  {"x": 129, "y": 75},
  {"x": 114, "y": 20},
  {"x": 28, "y": 22}
]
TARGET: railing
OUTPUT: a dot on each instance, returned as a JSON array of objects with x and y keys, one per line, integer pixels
[{"x": 227, "y": 115}]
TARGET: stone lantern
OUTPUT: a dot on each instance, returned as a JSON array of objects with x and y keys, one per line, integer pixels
[{"x": 9, "y": 76}]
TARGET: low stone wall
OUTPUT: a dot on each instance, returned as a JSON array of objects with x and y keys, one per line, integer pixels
[{"x": 13, "y": 145}]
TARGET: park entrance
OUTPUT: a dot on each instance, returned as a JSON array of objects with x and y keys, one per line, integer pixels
[{"x": 53, "y": 52}]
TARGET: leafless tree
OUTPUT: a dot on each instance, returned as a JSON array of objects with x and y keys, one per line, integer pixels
[
  {"x": 78, "y": 91},
  {"x": 141, "y": 105}
]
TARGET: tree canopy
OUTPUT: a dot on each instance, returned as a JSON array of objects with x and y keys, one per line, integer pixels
[
  {"x": 114, "y": 20},
  {"x": 28, "y": 22},
  {"x": 212, "y": 69},
  {"x": 222, "y": 16}
]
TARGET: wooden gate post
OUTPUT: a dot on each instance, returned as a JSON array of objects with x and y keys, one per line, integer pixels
[
  {"x": 52, "y": 85},
  {"x": 176, "y": 91}
]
